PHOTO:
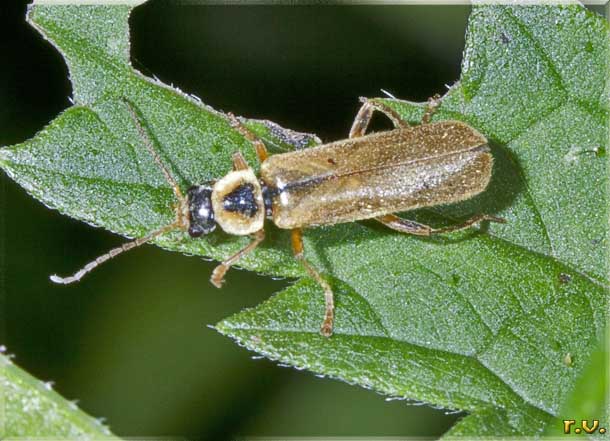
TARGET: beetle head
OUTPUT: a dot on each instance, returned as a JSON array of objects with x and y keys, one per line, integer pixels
[{"x": 201, "y": 211}]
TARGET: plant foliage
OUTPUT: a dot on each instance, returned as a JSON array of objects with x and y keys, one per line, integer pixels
[{"x": 480, "y": 321}]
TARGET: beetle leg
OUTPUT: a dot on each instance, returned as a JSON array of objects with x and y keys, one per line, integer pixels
[
  {"x": 469, "y": 222},
  {"x": 411, "y": 227},
  {"x": 239, "y": 162},
  {"x": 404, "y": 225},
  {"x": 362, "y": 120},
  {"x": 218, "y": 274},
  {"x": 433, "y": 103},
  {"x": 297, "y": 247},
  {"x": 257, "y": 143},
  {"x": 365, "y": 114}
]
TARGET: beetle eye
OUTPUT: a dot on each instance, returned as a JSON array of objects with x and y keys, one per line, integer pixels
[{"x": 195, "y": 231}]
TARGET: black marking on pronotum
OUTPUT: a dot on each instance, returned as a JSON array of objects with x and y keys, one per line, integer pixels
[
  {"x": 200, "y": 210},
  {"x": 241, "y": 200}
]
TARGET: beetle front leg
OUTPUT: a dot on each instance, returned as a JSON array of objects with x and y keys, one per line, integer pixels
[
  {"x": 218, "y": 274},
  {"x": 365, "y": 114},
  {"x": 411, "y": 227},
  {"x": 239, "y": 162},
  {"x": 297, "y": 247},
  {"x": 257, "y": 143}
]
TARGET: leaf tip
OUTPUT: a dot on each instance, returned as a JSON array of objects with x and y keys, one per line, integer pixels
[
  {"x": 222, "y": 327},
  {"x": 4, "y": 157},
  {"x": 231, "y": 330}
]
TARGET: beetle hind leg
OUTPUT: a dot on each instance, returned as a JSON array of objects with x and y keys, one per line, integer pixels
[
  {"x": 469, "y": 222},
  {"x": 329, "y": 314},
  {"x": 411, "y": 227},
  {"x": 365, "y": 114}
]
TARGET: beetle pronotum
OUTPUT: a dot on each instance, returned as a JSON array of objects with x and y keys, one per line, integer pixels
[{"x": 363, "y": 177}]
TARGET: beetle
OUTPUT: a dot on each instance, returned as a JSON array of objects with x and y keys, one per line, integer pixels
[{"x": 367, "y": 176}]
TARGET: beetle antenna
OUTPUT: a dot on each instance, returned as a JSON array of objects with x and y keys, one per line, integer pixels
[
  {"x": 151, "y": 149},
  {"x": 113, "y": 253},
  {"x": 179, "y": 223}
]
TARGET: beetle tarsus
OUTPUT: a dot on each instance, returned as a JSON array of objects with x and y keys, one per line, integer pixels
[
  {"x": 327, "y": 326},
  {"x": 219, "y": 272},
  {"x": 218, "y": 275}
]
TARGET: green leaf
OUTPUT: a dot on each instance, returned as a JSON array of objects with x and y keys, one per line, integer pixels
[
  {"x": 31, "y": 408},
  {"x": 480, "y": 321},
  {"x": 589, "y": 398},
  {"x": 486, "y": 423}
]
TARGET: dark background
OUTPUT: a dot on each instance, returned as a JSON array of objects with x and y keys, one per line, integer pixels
[{"x": 130, "y": 342}]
